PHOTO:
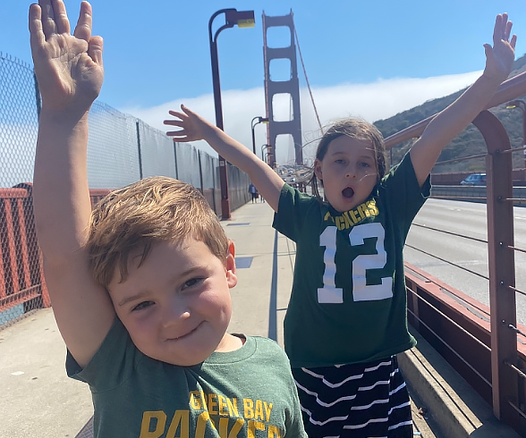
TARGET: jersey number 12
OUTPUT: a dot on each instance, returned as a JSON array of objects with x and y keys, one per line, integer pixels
[{"x": 329, "y": 293}]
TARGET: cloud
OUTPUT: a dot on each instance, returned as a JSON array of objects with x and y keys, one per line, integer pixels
[{"x": 372, "y": 101}]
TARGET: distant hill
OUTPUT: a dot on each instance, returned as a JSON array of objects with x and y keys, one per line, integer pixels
[{"x": 468, "y": 142}]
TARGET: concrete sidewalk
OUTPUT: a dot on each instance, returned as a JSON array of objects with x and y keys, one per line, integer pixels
[{"x": 38, "y": 399}]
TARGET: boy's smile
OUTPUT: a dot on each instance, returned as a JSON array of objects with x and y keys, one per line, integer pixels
[
  {"x": 348, "y": 171},
  {"x": 176, "y": 305}
]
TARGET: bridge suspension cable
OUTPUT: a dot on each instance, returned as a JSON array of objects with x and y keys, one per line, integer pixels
[{"x": 307, "y": 78}]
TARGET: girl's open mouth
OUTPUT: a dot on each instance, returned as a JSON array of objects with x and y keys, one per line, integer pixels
[{"x": 348, "y": 192}]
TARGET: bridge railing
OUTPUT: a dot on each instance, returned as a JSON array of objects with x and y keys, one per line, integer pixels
[{"x": 480, "y": 342}]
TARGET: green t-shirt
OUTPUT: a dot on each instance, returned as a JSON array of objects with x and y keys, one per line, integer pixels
[
  {"x": 246, "y": 393},
  {"x": 348, "y": 301}
]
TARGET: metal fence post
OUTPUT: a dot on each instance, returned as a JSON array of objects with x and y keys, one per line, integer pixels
[
  {"x": 175, "y": 159},
  {"x": 501, "y": 263},
  {"x": 139, "y": 148}
]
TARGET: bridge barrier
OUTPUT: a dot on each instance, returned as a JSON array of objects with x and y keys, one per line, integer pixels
[
  {"x": 487, "y": 350},
  {"x": 474, "y": 193}
]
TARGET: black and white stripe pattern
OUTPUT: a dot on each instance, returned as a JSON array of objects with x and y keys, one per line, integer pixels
[{"x": 358, "y": 400}]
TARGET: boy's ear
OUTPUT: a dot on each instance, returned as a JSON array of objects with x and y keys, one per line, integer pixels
[
  {"x": 231, "y": 276},
  {"x": 317, "y": 169}
]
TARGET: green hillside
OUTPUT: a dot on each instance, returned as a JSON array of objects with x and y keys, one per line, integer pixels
[{"x": 468, "y": 142}]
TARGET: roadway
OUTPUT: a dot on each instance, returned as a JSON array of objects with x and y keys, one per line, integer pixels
[{"x": 465, "y": 219}]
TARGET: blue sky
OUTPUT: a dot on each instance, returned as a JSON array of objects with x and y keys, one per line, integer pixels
[{"x": 157, "y": 53}]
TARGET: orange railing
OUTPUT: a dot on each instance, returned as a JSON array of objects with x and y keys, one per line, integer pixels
[
  {"x": 486, "y": 353},
  {"x": 22, "y": 280}
]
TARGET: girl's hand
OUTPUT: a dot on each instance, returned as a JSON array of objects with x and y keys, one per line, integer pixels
[
  {"x": 68, "y": 67},
  {"x": 500, "y": 57},
  {"x": 193, "y": 126}
]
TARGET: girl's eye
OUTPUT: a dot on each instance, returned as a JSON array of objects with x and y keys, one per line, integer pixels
[
  {"x": 143, "y": 305},
  {"x": 192, "y": 282},
  {"x": 364, "y": 164}
]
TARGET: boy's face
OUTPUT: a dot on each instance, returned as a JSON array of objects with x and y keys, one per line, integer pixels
[
  {"x": 348, "y": 171},
  {"x": 176, "y": 306}
]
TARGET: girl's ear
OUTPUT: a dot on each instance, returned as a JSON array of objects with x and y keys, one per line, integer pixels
[{"x": 317, "y": 169}]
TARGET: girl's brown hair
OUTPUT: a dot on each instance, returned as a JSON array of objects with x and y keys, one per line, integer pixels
[{"x": 353, "y": 128}]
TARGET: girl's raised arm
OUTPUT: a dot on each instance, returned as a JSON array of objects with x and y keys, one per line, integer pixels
[
  {"x": 452, "y": 120},
  {"x": 194, "y": 127}
]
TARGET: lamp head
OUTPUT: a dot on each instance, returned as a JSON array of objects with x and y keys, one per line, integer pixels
[{"x": 241, "y": 18}]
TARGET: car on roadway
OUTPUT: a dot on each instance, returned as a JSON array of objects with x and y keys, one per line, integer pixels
[{"x": 475, "y": 179}]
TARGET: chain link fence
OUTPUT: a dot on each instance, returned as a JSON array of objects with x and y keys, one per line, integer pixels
[{"x": 121, "y": 149}]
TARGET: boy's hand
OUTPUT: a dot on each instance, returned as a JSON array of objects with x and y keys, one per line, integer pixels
[
  {"x": 194, "y": 127},
  {"x": 500, "y": 57},
  {"x": 68, "y": 67}
]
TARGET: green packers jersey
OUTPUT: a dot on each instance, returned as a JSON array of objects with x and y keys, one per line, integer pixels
[
  {"x": 247, "y": 393},
  {"x": 348, "y": 301}
]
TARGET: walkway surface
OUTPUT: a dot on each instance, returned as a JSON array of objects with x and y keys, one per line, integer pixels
[{"x": 39, "y": 400}]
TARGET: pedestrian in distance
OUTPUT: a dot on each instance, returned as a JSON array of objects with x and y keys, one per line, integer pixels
[
  {"x": 141, "y": 286},
  {"x": 346, "y": 319},
  {"x": 253, "y": 192}
]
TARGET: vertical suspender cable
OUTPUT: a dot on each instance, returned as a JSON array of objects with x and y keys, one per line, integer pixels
[{"x": 307, "y": 79}]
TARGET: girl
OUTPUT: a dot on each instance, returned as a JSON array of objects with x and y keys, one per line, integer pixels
[{"x": 346, "y": 319}]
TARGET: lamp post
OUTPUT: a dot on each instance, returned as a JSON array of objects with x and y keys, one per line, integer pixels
[
  {"x": 232, "y": 18},
  {"x": 265, "y": 146},
  {"x": 253, "y": 125},
  {"x": 270, "y": 155},
  {"x": 522, "y": 106}
]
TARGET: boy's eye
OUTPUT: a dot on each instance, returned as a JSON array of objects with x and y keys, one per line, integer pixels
[
  {"x": 192, "y": 282},
  {"x": 340, "y": 161},
  {"x": 143, "y": 305}
]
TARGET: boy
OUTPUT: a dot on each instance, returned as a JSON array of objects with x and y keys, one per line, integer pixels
[{"x": 140, "y": 291}]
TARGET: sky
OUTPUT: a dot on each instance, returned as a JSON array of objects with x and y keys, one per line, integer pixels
[{"x": 371, "y": 59}]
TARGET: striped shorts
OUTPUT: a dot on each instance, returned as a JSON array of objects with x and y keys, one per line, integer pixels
[{"x": 358, "y": 400}]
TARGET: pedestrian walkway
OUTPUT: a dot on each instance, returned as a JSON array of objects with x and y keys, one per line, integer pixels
[{"x": 38, "y": 399}]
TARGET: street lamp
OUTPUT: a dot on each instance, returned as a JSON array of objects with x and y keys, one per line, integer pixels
[
  {"x": 522, "y": 106},
  {"x": 232, "y": 18},
  {"x": 253, "y": 125},
  {"x": 265, "y": 146}
]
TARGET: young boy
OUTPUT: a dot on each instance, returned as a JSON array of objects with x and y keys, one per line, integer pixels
[{"x": 140, "y": 291}]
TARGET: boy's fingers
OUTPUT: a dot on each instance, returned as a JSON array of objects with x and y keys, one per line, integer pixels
[
  {"x": 61, "y": 17},
  {"x": 95, "y": 49},
  {"x": 48, "y": 18},
  {"x": 84, "y": 23},
  {"x": 35, "y": 26}
]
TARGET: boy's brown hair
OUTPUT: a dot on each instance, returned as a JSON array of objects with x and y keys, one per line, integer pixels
[
  {"x": 138, "y": 216},
  {"x": 353, "y": 128}
]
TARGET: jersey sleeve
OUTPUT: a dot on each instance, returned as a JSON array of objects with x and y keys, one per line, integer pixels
[
  {"x": 293, "y": 208},
  {"x": 402, "y": 193},
  {"x": 111, "y": 365}
]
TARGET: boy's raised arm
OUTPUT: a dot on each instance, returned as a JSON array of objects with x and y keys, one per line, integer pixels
[
  {"x": 453, "y": 119},
  {"x": 69, "y": 73},
  {"x": 194, "y": 127}
]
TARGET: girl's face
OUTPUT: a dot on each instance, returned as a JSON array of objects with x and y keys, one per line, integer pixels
[{"x": 348, "y": 171}]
